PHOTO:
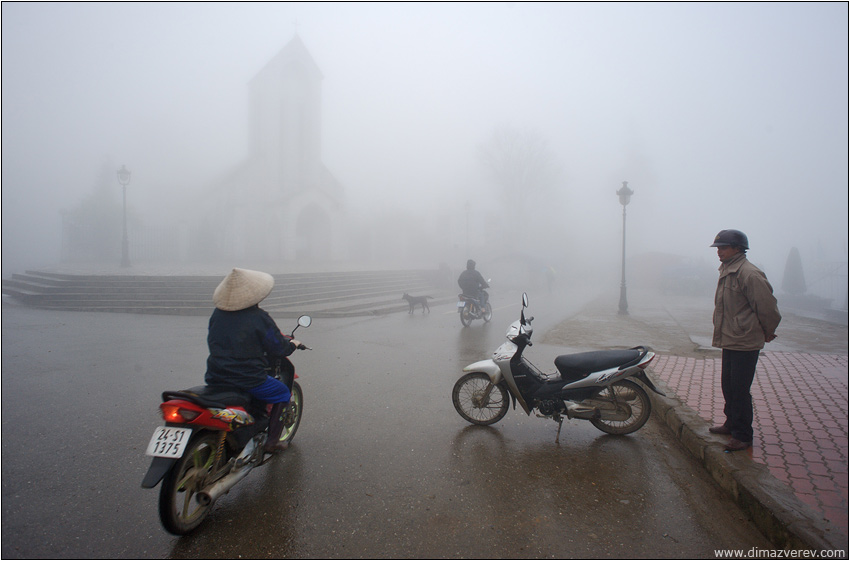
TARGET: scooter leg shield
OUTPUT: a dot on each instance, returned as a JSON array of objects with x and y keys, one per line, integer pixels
[
  {"x": 488, "y": 367},
  {"x": 157, "y": 470}
]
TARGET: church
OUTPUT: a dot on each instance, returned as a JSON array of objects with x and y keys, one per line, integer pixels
[{"x": 281, "y": 203}]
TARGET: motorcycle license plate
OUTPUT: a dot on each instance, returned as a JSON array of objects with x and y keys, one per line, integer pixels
[
  {"x": 461, "y": 304},
  {"x": 168, "y": 442}
]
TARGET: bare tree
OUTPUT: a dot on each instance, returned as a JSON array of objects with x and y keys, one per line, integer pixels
[
  {"x": 519, "y": 162},
  {"x": 526, "y": 177}
]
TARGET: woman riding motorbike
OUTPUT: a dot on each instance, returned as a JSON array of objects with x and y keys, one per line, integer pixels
[{"x": 242, "y": 339}]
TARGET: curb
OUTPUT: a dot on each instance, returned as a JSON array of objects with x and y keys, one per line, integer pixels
[{"x": 785, "y": 520}]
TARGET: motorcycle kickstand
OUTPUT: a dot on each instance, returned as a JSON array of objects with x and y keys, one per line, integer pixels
[{"x": 560, "y": 424}]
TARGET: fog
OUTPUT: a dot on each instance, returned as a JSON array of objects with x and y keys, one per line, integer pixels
[{"x": 719, "y": 115}]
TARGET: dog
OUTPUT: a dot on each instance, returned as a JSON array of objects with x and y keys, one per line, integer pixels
[{"x": 413, "y": 301}]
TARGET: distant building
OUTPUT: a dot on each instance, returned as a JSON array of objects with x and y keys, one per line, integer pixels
[{"x": 281, "y": 203}]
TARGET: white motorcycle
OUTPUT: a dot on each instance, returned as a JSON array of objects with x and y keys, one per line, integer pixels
[{"x": 597, "y": 386}]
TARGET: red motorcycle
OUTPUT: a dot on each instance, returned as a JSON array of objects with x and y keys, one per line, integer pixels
[{"x": 212, "y": 438}]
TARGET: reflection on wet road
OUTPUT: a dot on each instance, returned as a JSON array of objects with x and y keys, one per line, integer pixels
[{"x": 382, "y": 466}]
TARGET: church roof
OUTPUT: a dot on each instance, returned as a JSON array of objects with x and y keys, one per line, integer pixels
[{"x": 294, "y": 52}]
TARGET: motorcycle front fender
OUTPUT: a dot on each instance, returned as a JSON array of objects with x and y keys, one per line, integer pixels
[
  {"x": 157, "y": 470},
  {"x": 488, "y": 367}
]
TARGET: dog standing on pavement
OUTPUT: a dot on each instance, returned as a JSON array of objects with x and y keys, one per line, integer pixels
[{"x": 413, "y": 301}]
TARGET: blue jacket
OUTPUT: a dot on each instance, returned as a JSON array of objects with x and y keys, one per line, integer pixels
[{"x": 241, "y": 344}]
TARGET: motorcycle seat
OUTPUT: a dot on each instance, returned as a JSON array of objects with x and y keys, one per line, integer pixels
[
  {"x": 217, "y": 397},
  {"x": 579, "y": 365}
]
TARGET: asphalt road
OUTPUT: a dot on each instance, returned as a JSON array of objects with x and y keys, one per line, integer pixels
[{"x": 382, "y": 465}]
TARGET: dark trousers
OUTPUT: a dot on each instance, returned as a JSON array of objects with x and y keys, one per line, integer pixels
[{"x": 738, "y": 368}]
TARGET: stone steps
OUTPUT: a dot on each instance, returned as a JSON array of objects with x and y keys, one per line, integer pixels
[{"x": 323, "y": 294}]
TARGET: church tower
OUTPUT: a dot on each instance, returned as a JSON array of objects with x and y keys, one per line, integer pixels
[
  {"x": 285, "y": 119},
  {"x": 282, "y": 203}
]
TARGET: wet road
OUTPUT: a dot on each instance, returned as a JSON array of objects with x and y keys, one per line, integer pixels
[{"x": 382, "y": 466}]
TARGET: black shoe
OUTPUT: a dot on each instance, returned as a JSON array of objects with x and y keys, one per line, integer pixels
[
  {"x": 271, "y": 447},
  {"x": 736, "y": 445}
]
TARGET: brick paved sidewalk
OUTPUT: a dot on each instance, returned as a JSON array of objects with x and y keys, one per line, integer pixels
[{"x": 801, "y": 419}]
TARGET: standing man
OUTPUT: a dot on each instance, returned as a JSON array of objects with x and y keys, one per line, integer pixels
[{"x": 745, "y": 318}]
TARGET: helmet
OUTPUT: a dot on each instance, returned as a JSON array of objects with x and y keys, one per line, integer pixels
[
  {"x": 731, "y": 237},
  {"x": 470, "y": 264}
]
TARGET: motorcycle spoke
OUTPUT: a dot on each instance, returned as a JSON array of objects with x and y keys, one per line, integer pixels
[
  {"x": 478, "y": 401},
  {"x": 181, "y": 485},
  {"x": 187, "y": 498},
  {"x": 631, "y": 399}
]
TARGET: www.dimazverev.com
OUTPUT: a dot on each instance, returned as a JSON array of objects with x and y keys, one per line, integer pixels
[{"x": 756, "y": 553}]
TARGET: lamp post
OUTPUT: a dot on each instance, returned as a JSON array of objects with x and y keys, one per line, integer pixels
[
  {"x": 467, "y": 207},
  {"x": 124, "y": 179},
  {"x": 625, "y": 195}
]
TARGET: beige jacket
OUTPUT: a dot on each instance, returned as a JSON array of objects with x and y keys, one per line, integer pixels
[{"x": 745, "y": 310}]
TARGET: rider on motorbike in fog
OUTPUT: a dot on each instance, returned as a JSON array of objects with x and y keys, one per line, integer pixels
[
  {"x": 242, "y": 339},
  {"x": 215, "y": 435},
  {"x": 473, "y": 284}
]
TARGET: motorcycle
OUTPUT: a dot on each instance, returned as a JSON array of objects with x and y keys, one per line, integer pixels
[
  {"x": 212, "y": 438},
  {"x": 470, "y": 309},
  {"x": 597, "y": 386}
]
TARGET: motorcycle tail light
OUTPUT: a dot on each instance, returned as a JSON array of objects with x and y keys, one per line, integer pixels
[
  {"x": 645, "y": 363},
  {"x": 173, "y": 413}
]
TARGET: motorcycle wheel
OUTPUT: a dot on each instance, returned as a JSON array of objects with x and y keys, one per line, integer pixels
[
  {"x": 475, "y": 404},
  {"x": 467, "y": 315},
  {"x": 635, "y": 400},
  {"x": 488, "y": 313},
  {"x": 179, "y": 508},
  {"x": 292, "y": 415}
]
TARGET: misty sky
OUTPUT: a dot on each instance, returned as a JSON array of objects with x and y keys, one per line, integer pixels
[{"x": 720, "y": 115}]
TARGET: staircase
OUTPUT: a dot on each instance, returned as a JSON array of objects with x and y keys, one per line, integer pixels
[{"x": 326, "y": 294}]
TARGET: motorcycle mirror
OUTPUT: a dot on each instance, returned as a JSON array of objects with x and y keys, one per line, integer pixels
[{"x": 303, "y": 321}]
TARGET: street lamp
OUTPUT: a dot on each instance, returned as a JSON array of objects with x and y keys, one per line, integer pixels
[
  {"x": 625, "y": 195},
  {"x": 124, "y": 179},
  {"x": 467, "y": 207}
]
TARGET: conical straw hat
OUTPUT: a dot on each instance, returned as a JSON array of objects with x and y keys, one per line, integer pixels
[{"x": 242, "y": 288}]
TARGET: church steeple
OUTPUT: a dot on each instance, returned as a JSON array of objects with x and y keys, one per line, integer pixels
[
  {"x": 282, "y": 203},
  {"x": 285, "y": 113}
]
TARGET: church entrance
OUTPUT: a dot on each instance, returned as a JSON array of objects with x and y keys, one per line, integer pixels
[{"x": 313, "y": 235}]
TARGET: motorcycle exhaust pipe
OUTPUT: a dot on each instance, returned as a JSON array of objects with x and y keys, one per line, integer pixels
[
  {"x": 578, "y": 411},
  {"x": 222, "y": 486},
  {"x": 243, "y": 465}
]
